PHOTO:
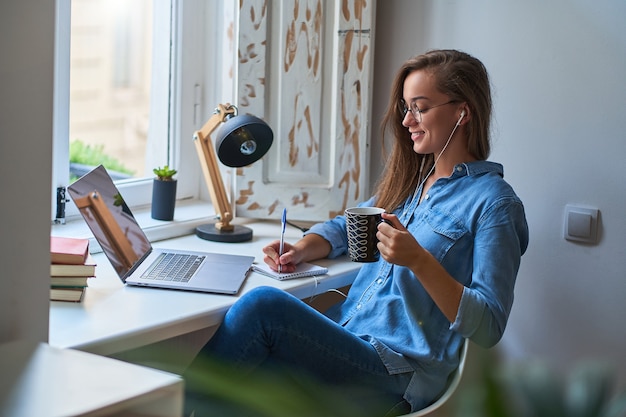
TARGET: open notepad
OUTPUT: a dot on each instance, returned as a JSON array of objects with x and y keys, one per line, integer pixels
[{"x": 304, "y": 269}]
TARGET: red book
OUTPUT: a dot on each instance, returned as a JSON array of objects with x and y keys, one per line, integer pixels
[{"x": 68, "y": 250}]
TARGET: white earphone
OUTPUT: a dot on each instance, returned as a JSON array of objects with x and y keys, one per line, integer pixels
[{"x": 461, "y": 118}]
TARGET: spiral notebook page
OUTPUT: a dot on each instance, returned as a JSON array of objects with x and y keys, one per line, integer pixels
[{"x": 303, "y": 270}]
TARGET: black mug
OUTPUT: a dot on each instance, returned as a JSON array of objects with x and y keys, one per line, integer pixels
[{"x": 361, "y": 227}]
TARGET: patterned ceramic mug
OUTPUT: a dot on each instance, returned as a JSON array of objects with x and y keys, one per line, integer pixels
[{"x": 361, "y": 226}]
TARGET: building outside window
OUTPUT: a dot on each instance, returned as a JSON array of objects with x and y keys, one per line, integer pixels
[{"x": 110, "y": 85}]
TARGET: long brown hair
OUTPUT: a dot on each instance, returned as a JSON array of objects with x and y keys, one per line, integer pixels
[{"x": 462, "y": 78}]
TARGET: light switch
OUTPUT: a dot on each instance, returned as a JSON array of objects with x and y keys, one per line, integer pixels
[{"x": 581, "y": 224}]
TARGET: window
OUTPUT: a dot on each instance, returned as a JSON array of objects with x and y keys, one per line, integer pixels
[
  {"x": 110, "y": 85},
  {"x": 131, "y": 83}
]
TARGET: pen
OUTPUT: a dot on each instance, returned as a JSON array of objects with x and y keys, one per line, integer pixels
[{"x": 282, "y": 238}]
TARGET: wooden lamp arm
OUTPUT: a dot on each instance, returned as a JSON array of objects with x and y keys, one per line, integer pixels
[{"x": 210, "y": 167}]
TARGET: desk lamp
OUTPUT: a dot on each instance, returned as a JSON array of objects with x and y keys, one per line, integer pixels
[{"x": 241, "y": 140}]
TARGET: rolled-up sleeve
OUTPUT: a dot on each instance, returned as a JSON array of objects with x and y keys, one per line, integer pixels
[
  {"x": 334, "y": 231},
  {"x": 499, "y": 244}
]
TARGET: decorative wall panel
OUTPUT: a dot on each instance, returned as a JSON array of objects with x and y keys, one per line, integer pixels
[{"x": 305, "y": 67}]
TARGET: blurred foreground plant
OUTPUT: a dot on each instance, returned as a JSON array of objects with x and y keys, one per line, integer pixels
[
  {"x": 536, "y": 390},
  {"x": 220, "y": 391},
  {"x": 587, "y": 391}
]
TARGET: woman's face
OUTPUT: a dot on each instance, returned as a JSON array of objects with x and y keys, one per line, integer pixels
[{"x": 438, "y": 114}]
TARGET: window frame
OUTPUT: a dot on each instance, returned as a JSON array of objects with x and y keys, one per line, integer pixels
[{"x": 192, "y": 77}]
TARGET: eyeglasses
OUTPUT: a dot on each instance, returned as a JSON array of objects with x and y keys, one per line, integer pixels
[{"x": 417, "y": 112}]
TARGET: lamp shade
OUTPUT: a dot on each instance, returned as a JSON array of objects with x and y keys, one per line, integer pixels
[{"x": 243, "y": 140}]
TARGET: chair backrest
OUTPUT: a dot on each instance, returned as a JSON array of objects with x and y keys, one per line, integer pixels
[{"x": 452, "y": 386}]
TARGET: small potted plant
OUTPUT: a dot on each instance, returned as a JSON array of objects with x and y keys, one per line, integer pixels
[{"x": 163, "y": 193}]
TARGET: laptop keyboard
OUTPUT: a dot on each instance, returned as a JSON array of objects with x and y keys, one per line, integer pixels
[{"x": 173, "y": 267}]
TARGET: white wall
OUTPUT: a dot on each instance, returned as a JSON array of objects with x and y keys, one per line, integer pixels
[
  {"x": 559, "y": 74},
  {"x": 558, "y": 70},
  {"x": 26, "y": 69}
]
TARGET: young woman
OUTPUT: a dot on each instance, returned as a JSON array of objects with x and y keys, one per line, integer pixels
[{"x": 450, "y": 253}]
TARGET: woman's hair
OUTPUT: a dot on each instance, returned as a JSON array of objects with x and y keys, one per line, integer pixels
[{"x": 462, "y": 78}]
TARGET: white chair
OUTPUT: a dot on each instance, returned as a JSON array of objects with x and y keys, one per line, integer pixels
[{"x": 452, "y": 386}]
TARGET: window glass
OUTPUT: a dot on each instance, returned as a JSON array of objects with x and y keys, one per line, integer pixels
[{"x": 110, "y": 85}]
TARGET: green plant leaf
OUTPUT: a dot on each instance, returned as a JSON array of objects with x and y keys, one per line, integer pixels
[
  {"x": 165, "y": 173},
  {"x": 617, "y": 407},
  {"x": 541, "y": 390},
  {"x": 82, "y": 153},
  {"x": 588, "y": 390},
  {"x": 218, "y": 389}
]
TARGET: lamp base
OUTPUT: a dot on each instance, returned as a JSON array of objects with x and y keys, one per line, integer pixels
[{"x": 210, "y": 232}]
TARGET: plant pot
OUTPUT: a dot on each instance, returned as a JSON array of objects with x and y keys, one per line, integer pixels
[{"x": 163, "y": 199}]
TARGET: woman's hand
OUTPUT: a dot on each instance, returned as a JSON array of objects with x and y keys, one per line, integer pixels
[
  {"x": 396, "y": 244},
  {"x": 309, "y": 248},
  {"x": 273, "y": 259}
]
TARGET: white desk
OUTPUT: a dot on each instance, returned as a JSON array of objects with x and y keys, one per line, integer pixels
[
  {"x": 113, "y": 318},
  {"x": 40, "y": 380}
]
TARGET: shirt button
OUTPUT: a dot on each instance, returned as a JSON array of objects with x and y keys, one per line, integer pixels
[
  {"x": 379, "y": 281},
  {"x": 459, "y": 169},
  {"x": 427, "y": 196},
  {"x": 358, "y": 306}
]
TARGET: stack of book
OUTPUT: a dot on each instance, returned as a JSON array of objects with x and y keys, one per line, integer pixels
[{"x": 70, "y": 268}]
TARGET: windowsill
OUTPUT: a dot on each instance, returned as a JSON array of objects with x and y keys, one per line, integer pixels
[{"x": 188, "y": 215}]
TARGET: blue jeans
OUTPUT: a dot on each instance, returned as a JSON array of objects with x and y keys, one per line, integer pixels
[{"x": 270, "y": 330}]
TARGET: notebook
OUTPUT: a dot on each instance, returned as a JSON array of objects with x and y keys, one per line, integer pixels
[
  {"x": 303, "y": 270},
  {"x": 133, "y": 257}
]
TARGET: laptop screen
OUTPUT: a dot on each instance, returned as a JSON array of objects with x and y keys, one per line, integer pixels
[{"x": 110, "y": 220}]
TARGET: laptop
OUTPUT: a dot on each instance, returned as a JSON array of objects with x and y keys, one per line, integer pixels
[{"x": 133, "y": 257}]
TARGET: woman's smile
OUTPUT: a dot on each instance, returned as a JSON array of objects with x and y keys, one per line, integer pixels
[{"x": 417, "y": 135}]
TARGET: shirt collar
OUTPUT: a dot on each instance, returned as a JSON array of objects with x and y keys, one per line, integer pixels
[{"x": 477, "y": 168}]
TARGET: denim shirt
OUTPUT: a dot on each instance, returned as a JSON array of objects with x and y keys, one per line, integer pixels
[{"x": 474, "y": 224}]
